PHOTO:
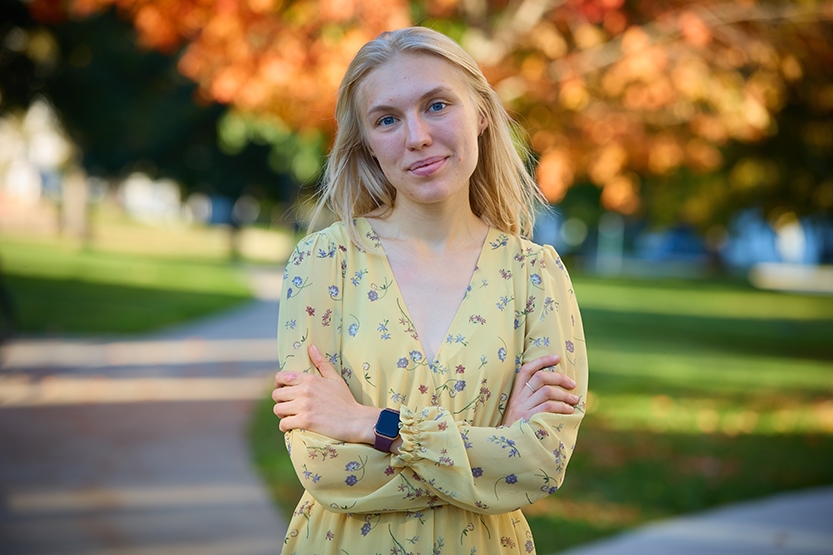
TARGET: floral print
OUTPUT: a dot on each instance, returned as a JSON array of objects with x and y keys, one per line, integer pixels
[{"x": 460, "y": 476}]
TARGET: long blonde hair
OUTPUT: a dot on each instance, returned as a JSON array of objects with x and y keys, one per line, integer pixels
[{"x": 501, "y": 192}]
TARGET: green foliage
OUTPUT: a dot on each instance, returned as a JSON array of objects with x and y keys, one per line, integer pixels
[
  {"x": 298, "y": 155},
  {"x": 702, "y": 393},
  {"x": 128, "y": 108},
  {"x": 57, "y": 289}
]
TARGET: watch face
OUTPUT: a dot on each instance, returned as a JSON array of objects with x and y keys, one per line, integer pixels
[{"x": 388, "y": 423}]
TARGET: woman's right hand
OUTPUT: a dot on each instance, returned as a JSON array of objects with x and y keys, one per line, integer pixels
[{"x": 539, "y": 389}]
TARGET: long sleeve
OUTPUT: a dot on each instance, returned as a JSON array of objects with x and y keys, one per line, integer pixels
[
  {"x": 495, "y": 470},
  {"x": 341, "y": 476},
  {"x": 456, "y": 459}
]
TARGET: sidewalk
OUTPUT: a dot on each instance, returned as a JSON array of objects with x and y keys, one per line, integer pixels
[
  {"x": 796, "y": 523},
  {"x": 139, "y": 447}
]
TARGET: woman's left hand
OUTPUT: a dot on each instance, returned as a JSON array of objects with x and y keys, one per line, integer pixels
[
  {"x": 322, "y": 404},
  {"x": 537, "y": 390}
]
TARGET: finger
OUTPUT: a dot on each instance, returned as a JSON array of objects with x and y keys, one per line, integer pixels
[
  {"x": 541, "y": 379},
  {"x": 523, "y": 390},
  {"x": 282, "y": 409},
  {"x": 294, "y": 416},
  {"x": 528, "y": 369},
  {"x": 289, "y": 423},
  {"x": 554, "y": 407},
  {"x": 554, "y": 393},
  {"x": 326, "y": 369},
  {"x": 286, "y": 378},
  {"x": 284, "y": 394},
  {"x": 292, "y": 407}
]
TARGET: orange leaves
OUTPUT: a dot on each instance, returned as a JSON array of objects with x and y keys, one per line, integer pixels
[
  {"x": 702, "y": 156},
  {"x": 547, "y": 39},
  {"x": 263, "y": 6},
  {"x": 606, "y": 163},
  {"x": 665, "y": 154},
  {"x": 621, "y": 194},
  {"x": 609, "y": 89},
  {"x": 574, "y": 95},
  {"x": 671, "y": 89},
  {"x": 694, "y": 30},
  {"x": 555, "y": 174},
  {"x": 264, "y": 56},
  {"x": 337, "y": 10},
  {"x": 286, "y": 63},
  {"x": 156, "y": 29},
  {"x": 227, "y": 82}
]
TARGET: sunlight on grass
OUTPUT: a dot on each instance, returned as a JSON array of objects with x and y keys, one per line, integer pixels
[
  {"x": 708, "y": 370},
  {"x": 57, "y": 288},
  {"x": 708, "y": 300},
  {"x": 706, "y": 415},
  {"x": 603, "y": 513},
  {"x": 60, "y": 263}
]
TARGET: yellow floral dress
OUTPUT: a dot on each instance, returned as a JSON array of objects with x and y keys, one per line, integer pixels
[{"x": 458, "y": 483}]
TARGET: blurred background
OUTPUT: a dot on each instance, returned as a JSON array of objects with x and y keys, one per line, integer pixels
[{"x": 155, "y": 155}]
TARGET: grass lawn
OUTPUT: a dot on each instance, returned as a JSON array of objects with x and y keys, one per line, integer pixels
[
  {"x": 57, "y": 288},
  {"x": 702, "y": 393}
]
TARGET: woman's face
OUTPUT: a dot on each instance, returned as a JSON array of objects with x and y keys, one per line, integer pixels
[{"x": 422, "y": 125}]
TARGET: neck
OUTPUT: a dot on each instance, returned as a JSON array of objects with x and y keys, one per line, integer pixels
[{"x": 439, "y": 228}]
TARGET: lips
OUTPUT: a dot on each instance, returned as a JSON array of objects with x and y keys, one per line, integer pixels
[{"x": 427, "y": 166}]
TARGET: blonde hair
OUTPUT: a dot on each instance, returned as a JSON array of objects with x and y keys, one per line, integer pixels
[{"x": 501, "y": 192}]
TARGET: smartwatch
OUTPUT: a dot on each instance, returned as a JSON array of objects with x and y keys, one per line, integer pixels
[{"x": 387, "y": 430}]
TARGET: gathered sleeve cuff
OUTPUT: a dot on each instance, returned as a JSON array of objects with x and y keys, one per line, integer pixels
[
  {"x": 484, "y": 469},
  {"x": 355, "y": 478}
]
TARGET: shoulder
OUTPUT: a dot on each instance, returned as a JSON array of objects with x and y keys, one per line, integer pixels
[
  {"x": 325, "y": 243},
  {"x": 526, "y": 257},
  {"x": 334, "y": 233},
  {"x": 322, "y": 249},
  {"x": 520, "y": 250}
]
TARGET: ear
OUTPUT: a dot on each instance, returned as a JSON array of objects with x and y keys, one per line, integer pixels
[{"x": 484, "y": 123}]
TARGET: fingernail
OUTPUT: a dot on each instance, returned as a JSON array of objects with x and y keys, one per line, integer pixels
[
  {"x": 314, "y": 349},
  {"x": 572, "y": 383},
  {"x": 575, "y": 400}
]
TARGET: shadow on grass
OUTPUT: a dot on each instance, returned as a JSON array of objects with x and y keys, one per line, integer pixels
[
  {"x": 76, "y": 306},
  {"x": 635, "y": 330}
]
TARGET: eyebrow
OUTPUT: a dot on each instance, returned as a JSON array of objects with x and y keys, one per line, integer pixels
[{"x": 436, "y": 91}]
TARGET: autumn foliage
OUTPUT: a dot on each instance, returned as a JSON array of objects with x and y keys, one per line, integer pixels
[{"x": 617, "y": 94}]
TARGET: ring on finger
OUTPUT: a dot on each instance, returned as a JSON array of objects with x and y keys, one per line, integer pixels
[{"x": 532, "y": 389}]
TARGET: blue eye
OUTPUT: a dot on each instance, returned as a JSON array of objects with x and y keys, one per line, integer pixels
[
  {"x": 387, "y": 120},
  {"x": 437, "y": 106}
]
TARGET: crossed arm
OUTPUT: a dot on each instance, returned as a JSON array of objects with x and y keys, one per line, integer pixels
[
  {"x": 432, "y": 462},
  {"x": 324, "y": 404}
]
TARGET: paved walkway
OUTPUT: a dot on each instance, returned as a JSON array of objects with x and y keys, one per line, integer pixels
[
  {"x": 113, "y": 447},
  {"x": 797, "y": 523}
]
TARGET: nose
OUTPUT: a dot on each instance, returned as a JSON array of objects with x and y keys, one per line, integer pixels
[{"x": 418, "y": 133}]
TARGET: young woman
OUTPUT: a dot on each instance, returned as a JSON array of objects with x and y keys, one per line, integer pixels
[{"x": 434, "y": 325}]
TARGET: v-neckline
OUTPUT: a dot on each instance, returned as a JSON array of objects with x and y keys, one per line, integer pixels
[{"x": 380, "y": 248}]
